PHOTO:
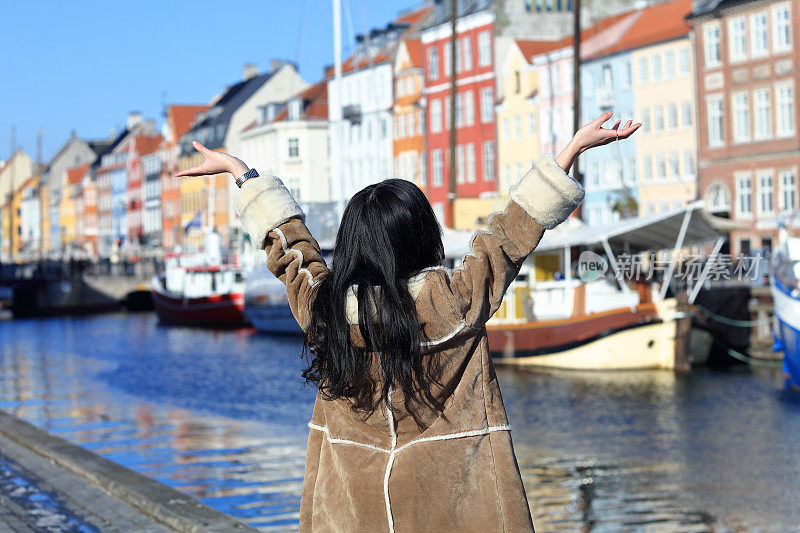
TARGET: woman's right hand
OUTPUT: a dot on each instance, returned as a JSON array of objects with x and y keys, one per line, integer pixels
[
  {"x": 215, "y": 163},
  {"x": 594, "y": 134}
]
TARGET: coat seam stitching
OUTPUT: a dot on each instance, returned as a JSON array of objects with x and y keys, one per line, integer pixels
[{"x": 491, "y": 447}]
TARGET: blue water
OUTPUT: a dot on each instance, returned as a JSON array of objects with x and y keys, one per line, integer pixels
[{"x": 221, "y": 415}]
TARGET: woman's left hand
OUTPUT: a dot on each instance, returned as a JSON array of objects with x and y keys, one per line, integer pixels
[{"x": 215, "y": 163}]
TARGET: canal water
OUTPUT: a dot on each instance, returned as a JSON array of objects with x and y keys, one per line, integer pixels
[{"x": 221, "y": 415}]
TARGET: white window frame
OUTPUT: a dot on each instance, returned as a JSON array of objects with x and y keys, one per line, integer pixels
[
  {"x": 762, "y": 113},
  {"x": 484, "y": 49},
  {"x": 437, "y": 168},
  {"x": 436, "y": 115},
  {"x": 740, "y": 112},
  {"x": 784, "y": 125},
  {"x": 766, "y": 189},
  {"x": 743, "y": 195},
  {"x": 787, "y": 180},
  {"x": 781, "y": 44},
  {"x": 759, "y": 37},
  {"x": 715, "y": 141},
  {"x": 711, "y": 45},
  {"x": 487, "y": 105},
  {"x": 737, "y": 39}
]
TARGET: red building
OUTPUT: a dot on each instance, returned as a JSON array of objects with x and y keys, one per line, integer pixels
[
  {"x": 748, "y": 135},
  {"x": 179, "y": 120},
  {"x": 476, "y": 149},
  {"x": 134, "y": 200}
]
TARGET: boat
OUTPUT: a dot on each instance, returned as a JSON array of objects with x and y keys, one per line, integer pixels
[
  {"x": 266, "y": 304},
  {"x": 784, "y": 276},
  {"x": 573, "y": 308},
  {"x": 196, "y": 288}
]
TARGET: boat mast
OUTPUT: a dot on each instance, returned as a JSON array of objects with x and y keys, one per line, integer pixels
[{"x": 337, "y": 77}]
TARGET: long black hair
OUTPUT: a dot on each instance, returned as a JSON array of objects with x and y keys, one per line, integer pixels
[{"x": 388, "y": 233}]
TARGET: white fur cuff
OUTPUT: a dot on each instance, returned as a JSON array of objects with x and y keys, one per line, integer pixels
[
  {"x": 547, "y": 193},
  {"x": 263, "y": 204}
]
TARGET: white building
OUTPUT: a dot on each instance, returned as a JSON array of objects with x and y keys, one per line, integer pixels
[{"x": 290, "y": 140}]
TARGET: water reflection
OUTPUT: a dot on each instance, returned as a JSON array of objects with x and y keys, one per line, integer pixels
[{"x": 222, "y": 416}]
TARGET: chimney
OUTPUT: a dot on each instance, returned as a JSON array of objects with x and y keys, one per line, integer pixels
[
  {"x": 275, "y": 64},
  {"x": 134, "y": 118},
  {"x": 250, "y": 71}
]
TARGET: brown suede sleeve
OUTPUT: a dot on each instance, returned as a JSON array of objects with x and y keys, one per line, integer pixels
[
  {"x": 293, "y": 255},
  {"x": 497, "y": 255}
]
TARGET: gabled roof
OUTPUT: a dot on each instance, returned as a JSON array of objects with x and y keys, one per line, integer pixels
[
  {"x": 147, "y": 144},
  {"x": 314, "y": 103},
  {"x": 222, "y": 110},
  {"x": 656, "y": 24},
  {"x": 534, "y": 48},
  {"x": 181, "y": 117},
  {"x": 76, "y": 174}
]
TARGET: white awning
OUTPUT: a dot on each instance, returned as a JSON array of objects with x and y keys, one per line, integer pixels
[{"x": 652, "y": 232}]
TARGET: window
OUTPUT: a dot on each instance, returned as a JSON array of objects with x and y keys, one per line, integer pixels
[
  {"x": 645, "y": 119},
  {"x": 447, "y": 58},
  {"x": 488, "y": 161},
  {"x": 433, "y": 62},
  {"x": 655, "y": 61},
  {"x": 683, "y": 61},
  {"x": 737, "y": 39},
  {"x": 294, "y": 150},
  {"x": 466, "y": 54},
  {"x": 487, "y": 104},
  {"x": 471, "y": 163},
  {"x": 744, "y": 193},
  {"x": 741, "y": 117},
  {"x": 643, "y": 70},
  {"x": 672, "y": 115},
  {"x": 669, "y": 64},
  {"x": 758, "y": 34},
  {"x": 517, "y": 127},
  {"x": 506, "y": 130},
  {"x": 420, "y": 122},
  {"x": 460, "y": 163},
  {"x": 711, "y": 45},
  {"x": 661, "y": 167},
  {"x": 532, "y": 124},
  {"x": 436, "y": 115},
  {"x": 399, "y": 87},
  {"x": 765, "y": 192},
  {"x": 788, "y": 181},
  {"x": 484, "y": 49},
  {"x": 423, "y": 177},
  {"x": 469, "y": 108},
  {"x": 688, "y": 163},
  {"x": 627, "y": 74},
  {"x": 409, "y": 85},
  {"x": 674, "y": 165},
  {"x": 686, "y": 108},
  {"x": 658, "y": 118},
  {"x": 647, "y": 168},
  {"x": 459, "y": 110},
  {"x": 781, "y": 28},
  {"x": 762, "y": 113},
  {"x": 784, "y": 108},
  {"x": 714, "y": 109},
  {"x": 438, "y": 168}
]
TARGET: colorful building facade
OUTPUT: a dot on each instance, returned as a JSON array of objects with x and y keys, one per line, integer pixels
[{"x": 409, "y": 114}]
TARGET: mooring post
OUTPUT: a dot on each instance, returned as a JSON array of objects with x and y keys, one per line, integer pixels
[{"x": 682, "y": 331}]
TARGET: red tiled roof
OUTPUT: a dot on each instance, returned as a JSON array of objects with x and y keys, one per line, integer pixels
[
  {"x": 182, "y": 117},
  {"x": 533, "y": 48},
  {"x": 655, "y": 24},
  {"x": 147, "y": 144},
  {"x": 414, "y": 47},
  {"x": 76, "y": 174},
  {"x": 413, "y": 17},
  {"x": 589, "y": 32}
]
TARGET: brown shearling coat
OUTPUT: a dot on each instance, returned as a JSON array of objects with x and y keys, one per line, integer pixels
[{"x": 384, "y": 473}]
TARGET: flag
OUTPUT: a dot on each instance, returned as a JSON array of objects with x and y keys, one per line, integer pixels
[{"x": 196, "y": 222}]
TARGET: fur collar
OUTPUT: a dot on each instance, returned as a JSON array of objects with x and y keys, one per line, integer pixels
[{"x": 414, "y": 284}]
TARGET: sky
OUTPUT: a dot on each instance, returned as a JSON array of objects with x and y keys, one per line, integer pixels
[{"x": 83, "y": 65}]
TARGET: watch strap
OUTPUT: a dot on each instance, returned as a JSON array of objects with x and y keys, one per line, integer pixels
[{"x": 252, "y": 173}]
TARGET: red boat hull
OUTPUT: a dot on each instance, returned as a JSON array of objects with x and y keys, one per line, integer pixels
[
  {"x": 548, "y": 336},
  {"x": 225, "y": 310}
]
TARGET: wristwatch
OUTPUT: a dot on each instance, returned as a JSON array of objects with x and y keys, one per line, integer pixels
[{"x": 246, "y": 176}]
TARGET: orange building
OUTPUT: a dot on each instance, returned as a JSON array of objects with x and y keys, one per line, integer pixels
[
  {"x": 409, "y": 114},
  {"x": 179, "y": 121}
]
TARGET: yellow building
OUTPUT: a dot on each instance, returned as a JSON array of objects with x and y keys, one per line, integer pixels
[
  {"x": 518, "y": 142},
  {"x": 13, "y": 175},
  {"x": 664, "y": 95},
  {"x": 195, "y": 197}
]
